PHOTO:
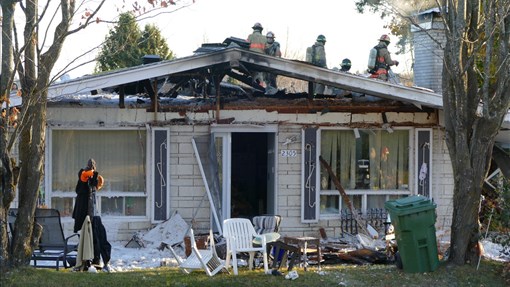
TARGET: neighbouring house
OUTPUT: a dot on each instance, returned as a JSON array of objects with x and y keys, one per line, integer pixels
[{"x": 177, "y": 136}]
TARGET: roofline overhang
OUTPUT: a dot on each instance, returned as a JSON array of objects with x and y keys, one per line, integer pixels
[
  {"x": 306, "y": 71},
  {"x": 234, "y": 57}
]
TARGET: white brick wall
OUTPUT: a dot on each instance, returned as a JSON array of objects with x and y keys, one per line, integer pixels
[{"x": 186, "y": 184}]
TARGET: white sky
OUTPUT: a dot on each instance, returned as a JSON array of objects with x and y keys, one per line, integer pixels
[{"x": 296, "y": 24}]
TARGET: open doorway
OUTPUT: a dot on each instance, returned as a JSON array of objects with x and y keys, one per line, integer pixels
[{"x": 252, "y": 179}]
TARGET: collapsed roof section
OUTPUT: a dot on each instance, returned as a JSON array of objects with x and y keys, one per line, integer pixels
[{"x": 207, "y": 70}]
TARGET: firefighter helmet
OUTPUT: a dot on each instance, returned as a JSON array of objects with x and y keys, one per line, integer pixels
[
  {"x": 385, "y": 38},
  {"x": 346, "y": 63},
  {"x": 257, "y": 26},
  {"x": 321, "y": 38},
  {"x": 270, "y": 34}
]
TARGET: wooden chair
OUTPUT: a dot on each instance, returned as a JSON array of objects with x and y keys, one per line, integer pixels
[
  {"x": 240, "y": 234},
  {"x": 199, "y": 259}
]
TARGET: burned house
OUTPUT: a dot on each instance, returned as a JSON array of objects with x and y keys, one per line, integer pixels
[{"x": 195, "y": 136}]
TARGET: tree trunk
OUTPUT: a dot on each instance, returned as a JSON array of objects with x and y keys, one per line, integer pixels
[
  {"x": 8, "y": 172},
  {"x": 465, "y": 230},
  {"x": 34, "y": 73},
  {"x": 475, "y": 104}
]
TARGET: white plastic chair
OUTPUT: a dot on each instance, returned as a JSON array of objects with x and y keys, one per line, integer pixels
[
  {"x": 239, "y": 233},
  {"x": 205, "y": 259}
]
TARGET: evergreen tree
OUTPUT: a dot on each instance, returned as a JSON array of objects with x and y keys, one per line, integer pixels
[
  {"x": 152, "y": 43},
  {"x": 126, "y": 44}
]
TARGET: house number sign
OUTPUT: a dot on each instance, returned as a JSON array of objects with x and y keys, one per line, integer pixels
[{"x": 288, "y": 153}]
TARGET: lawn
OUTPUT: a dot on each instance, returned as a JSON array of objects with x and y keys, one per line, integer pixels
[{"x": 489, "y": 274}]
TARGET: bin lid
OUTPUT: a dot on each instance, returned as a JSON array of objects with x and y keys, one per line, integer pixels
[
  {"x": 410, "y": 200},
  {"x": 410, "y": 203}
]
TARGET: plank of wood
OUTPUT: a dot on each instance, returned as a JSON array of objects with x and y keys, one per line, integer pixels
[{"x": 344, "y": 195}]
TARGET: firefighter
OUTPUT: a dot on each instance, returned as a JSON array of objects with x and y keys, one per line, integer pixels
[
  {"x": 383, "y": 59},
  {"x": 257, "y": 44},
  {"x": 272, "y": 48},
  {"x": 256, "y": 39},
  {"x": 345, "y": 66},
  {"x": 316, "y": 54}
]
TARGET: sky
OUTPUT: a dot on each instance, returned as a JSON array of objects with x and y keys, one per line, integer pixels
[{"x": 296, "y": 24}]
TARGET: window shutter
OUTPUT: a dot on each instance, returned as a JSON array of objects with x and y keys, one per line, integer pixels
[
  {"x": 160, "y": 168},
  {"x": 424, "y": 161},
  {"x": 309, "y": 195}
]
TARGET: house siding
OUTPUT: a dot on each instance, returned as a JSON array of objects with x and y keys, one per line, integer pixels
[
  {"x": 186, "y": 185},
  {"x": 428, "y": 63},
  {"x": 442, "y": 189}
]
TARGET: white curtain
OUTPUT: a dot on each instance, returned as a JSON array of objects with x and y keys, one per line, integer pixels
[
  {"x": 119, "y": 154},
  {"x": 389, "y": 159},
  {"x": 388, "y": 155},
  {"x": 338, "y": 148}
]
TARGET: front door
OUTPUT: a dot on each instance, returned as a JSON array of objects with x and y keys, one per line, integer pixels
[{"x": 247, "y": 173}]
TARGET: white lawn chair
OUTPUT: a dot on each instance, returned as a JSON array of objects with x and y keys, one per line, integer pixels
[
  {"x": 239, "y": 233},
  {"x": 205, "y": 259}
]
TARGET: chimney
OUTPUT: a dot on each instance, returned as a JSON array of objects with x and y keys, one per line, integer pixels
[
  {"x": 428, "y": 55},
  {"x": 147, "y": 59}
]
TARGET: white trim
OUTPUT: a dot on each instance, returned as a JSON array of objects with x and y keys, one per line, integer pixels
[
  {"x": 301, "y": 209},
  {"x": 244, "y": 128},
  {"x": 363, "y": 192},
  {"x": 49, "y": 193},
  {"x": 48, "y": 168},
  {"x": 275, "y": 173},
  {"x": 225, "y": 132},
  {"x": 226, "y": 200}
]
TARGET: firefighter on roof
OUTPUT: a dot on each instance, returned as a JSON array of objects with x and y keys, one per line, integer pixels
[
  {"x": 383, "y": 59},
  {"x": 316, "y": 54},
  {"x": 256, "y": 39},
  {"x": 257, "y": 44},
  {"x": 272, "y": 48},
  {"x": 345, "y": 66}
]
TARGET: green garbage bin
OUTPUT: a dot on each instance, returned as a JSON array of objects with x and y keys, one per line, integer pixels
[{"x": 413, "y": 218}]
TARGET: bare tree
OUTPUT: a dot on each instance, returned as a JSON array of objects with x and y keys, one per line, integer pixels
[
  {"x": 476, "y": 97},
  {"x": 33, "y": 58},
  {"x": 34, "y": 64}
]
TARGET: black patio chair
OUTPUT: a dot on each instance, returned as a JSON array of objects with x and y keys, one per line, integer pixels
[{"x": 53, "y": 245}]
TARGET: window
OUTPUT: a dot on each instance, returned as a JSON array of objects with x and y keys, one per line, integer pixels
[
  {"x": 372, "y": 168},
  {"x": 120, "y": 158}
]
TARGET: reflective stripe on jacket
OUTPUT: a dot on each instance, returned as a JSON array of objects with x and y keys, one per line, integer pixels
[{"x": 257, "y": 41}]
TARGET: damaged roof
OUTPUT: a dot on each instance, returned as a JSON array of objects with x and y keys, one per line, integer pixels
[
  {"x": 212, "y": 63},
  {"x": 239, "y": 63}
]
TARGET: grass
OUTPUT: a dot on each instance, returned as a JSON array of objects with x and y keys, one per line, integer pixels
[{"x": 489, "y": 274}]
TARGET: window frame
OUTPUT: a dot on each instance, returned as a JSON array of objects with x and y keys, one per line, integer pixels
[
  {"x": 49, "y": 194},
  {"x": 363, "y": 192}
]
